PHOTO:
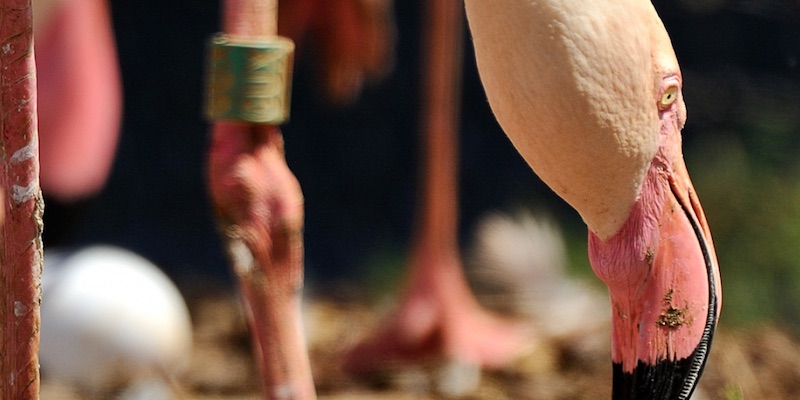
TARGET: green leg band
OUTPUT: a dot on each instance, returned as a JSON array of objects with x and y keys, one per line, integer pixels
[{"x": 249, "y": 81}]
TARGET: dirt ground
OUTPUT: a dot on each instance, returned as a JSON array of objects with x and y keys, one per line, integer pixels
[{"x": 761, "y": 364}]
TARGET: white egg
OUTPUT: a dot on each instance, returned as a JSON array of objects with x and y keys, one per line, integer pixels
[{"x": 110, "y": 320}]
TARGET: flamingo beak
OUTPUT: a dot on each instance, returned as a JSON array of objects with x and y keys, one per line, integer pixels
[
  {"x": 666, "y": 302},
  {"x": 683, "y": 303}
]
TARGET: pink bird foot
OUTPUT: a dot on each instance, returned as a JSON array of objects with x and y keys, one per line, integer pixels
[{"x": 439, "y": 318}]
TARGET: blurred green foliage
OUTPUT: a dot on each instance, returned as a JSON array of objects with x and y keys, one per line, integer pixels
[{"x": 748, "y": 179}]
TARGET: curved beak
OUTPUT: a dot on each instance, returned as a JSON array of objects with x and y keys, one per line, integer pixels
[
  {"x": 687, "y": 313},
  {"x": 667, "y": 301}
]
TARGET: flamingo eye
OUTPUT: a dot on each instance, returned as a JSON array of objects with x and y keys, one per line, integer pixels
[{"x": 668, "y": 97}]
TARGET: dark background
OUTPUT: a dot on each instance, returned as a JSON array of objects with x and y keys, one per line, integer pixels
[{"x": 358, "y": 164}]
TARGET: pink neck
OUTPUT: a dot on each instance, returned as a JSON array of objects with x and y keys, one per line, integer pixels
[{"x": 656, "y": 277}]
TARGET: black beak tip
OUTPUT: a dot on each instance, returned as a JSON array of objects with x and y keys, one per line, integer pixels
[
  {"x": 673, "y": 379},
  {"x": 666, "y": 380}
]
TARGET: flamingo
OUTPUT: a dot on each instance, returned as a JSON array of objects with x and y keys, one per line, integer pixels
[{"x": 590, "y": 95}]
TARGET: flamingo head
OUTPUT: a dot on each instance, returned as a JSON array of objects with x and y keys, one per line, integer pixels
[{"x": 590, "y": 95}]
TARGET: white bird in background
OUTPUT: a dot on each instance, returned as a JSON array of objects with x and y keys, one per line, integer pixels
[
  {"x": 112, "y": 322},
  {"x": 518, "y": 267}
]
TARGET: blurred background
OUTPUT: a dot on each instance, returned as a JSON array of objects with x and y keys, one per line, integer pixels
[{"x": 358, "y": 163}]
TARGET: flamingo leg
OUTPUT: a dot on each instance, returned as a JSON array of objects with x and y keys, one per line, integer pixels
[
  {"x": 260, "y": 213},
  {"x": 259, "y": 208},
  {"x": 438, "y": 315}
]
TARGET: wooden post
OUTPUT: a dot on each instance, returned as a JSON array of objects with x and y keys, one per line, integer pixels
[{"x": 20, "y": 235}]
